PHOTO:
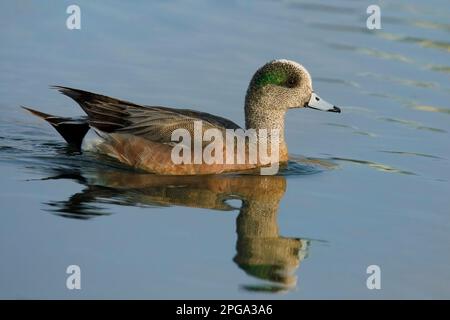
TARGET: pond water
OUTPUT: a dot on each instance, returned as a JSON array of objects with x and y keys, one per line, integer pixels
[{"x": 369, "y": 186}]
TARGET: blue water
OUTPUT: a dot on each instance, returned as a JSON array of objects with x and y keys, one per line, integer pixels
[{"x": 365, "y": 187}]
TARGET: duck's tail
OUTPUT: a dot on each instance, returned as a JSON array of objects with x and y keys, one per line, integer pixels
[{"x": 71, "y": 129}]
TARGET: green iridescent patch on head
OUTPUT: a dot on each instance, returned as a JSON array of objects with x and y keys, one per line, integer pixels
[{"x": 276, "y": 77}]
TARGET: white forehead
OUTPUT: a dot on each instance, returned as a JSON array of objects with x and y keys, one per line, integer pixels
[{"x": 295, "y": 65}]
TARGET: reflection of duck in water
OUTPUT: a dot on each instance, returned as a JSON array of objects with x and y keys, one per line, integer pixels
[{"x": 261, "y": 251}]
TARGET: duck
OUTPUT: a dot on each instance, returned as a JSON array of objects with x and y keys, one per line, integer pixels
[{"x": 140, "y": 136}]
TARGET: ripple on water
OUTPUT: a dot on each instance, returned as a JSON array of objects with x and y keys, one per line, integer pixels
[
  {"x": 431, "y": 25},
  {"x": 416, "y": 154},
  {"x": 298, "y": 169},
  {"x": 438, "y": 68},
  {"x": 82, "y": 211},
  {"x": 300, "y": 165},
  {"x": 337, "y": 81},
  {"x": 340, "y": 27},
  {"x": 419, "y": 23},
  {"x": 401, "y": 81},
  {"x": 355, "y": 130},
  {"x": 323, "y": 8},
  {"x": 432, "y": 109},
  {"x": 425, "y": 43},
  {"x": 372, "y": 52},
  {"x": 374, "y": 165},
  {"x": 413, "y": 124}
]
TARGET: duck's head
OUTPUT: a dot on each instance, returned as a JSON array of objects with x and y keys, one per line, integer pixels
[{"x": 280, "y": 85}]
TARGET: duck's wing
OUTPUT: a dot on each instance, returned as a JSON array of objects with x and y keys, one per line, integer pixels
[{"x": 154, "y": 123}]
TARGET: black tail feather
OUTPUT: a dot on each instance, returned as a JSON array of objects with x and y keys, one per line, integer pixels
[{"x": 71, "y": 129}]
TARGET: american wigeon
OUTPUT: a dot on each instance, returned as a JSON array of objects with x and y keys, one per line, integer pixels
[{"x": 140, "y": 136}]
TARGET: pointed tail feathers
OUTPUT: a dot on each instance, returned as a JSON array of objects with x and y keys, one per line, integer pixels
[{"x": 72, "y": 130}]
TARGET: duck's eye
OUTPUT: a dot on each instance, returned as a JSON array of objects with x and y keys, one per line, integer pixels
[
  {"x": 292, "y": 82},
  {"x": 317, "y": 98}
]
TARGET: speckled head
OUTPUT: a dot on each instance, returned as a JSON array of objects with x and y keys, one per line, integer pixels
[
  {"x": 284, "y": 73},
  {"x": 280, "y": 85}
]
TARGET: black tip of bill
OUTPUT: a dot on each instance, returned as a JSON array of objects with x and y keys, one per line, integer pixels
[{"x": 335, "y": 109}]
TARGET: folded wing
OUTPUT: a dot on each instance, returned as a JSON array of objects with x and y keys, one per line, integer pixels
[{"x": 154, "y": 123}]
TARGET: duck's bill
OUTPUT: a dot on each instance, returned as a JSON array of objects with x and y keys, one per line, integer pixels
[{"x": 316, "y": 102}]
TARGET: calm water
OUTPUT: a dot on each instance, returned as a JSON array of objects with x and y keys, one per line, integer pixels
[{"x": 368, "y": 186}]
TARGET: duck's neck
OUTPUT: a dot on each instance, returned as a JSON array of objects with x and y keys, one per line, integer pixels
[{"x": 260, "y": 116}]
